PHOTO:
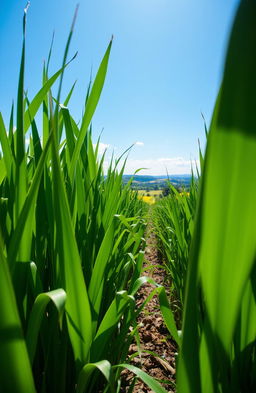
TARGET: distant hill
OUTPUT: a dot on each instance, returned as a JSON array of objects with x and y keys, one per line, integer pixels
[{"x": 142, "y": 182}]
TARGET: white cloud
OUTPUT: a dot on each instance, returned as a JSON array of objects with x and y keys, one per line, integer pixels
[
  {"x": 102, "y": 147},
  {"x": 175, "y": 161},
  {"x": 160, "y": 166}
]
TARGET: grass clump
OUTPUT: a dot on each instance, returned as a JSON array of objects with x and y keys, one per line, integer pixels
[{"x": 71, "y": 247}]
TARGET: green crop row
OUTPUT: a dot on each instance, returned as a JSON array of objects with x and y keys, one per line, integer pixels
[
  {"x": 218, "y": 343},
  {"x": 173, "y": 222},
  {"x": 71, "y": 244},
  {"x": 71, "y": 249}
]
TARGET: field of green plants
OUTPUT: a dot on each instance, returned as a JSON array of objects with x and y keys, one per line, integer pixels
[{"x": 73, "y": 238}]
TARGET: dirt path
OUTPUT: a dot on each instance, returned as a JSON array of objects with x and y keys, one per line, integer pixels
[{"x": 154, "y": 336}]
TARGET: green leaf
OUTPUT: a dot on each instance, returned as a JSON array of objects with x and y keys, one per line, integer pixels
[
  {"x": 91, "y": 105},
  {"x": 69, "y": 130},
  {"x": 168, "y": 315},
  {"x": 224, "y": 246},
  {"x": 22, "y": 234},
  {"x": 99, "y": 269},
  {"x": 20, "y": 169},
  {"x": 103, "y": 366},
  {"x": 147, "y": 379},
  {"x": 5, "y": 144},
  {"x": 2, "y": 170},
  {"x": 77, "y": 305},
  {"x": 15, "y": 372},
  {"x": 39, "y": 98},
  {"x": 58, "y": 297},
  {"x": 109, "y": 323}
]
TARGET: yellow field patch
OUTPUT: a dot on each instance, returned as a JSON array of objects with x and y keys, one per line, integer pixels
[{"x": 148, "y": 199}]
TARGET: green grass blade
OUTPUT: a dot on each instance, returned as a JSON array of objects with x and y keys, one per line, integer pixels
[
  {"x": 151, "y": 382},
  {"x": 58, "y": 297},
  {"x": 37, "y": 148},
  {"x": 109, "y": 323},
  {"x": 232, "y": 135},
  {"x": 3, "y": 171},
  {"x": 15, "y": 372},
  {"x": 39, "y": 98},
  {"x": 69, "y": 130},
  {"x": 168, "y": 315},
  {"x": 26, "y": 215},
  {"x": 84, "y": 377},
  {"x": 91, "y": 105},
  {"x": 5, "y": 144},
  {"x": 77, "y": 306},
  {"x": 97, "y": 279},
  {"x": 20, "y": 172},
  {"x": 224, "y": 248},
  {"x": 20, "y": 146}
]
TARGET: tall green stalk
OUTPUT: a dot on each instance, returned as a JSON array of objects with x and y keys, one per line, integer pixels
[
  {"x": 218, "y": 344},
  {"x": 71, "y": 248}
]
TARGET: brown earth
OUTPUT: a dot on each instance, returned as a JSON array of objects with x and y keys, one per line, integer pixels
[{"x": 154, "y": 336}]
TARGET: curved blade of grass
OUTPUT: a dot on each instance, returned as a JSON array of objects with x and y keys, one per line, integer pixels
[
  {"x": 164, "y": 304},
  {"x": 65, "y": 57},
  {"x": 109, "y": 323},
  {"x": 103, "y": 366},
  {"x": 168, "y": 315},
  {"x": 147, "y": 379},
  {"x": 40, "y": 96},
  {"x": 35, "y": 138},
  {"x": 15, "y": 372},
  {"x": 58, "y": 297},
  {"x": 65, "y": 104},
  {"x": 69, "y": 130},
  {"x": 91, "y": 105}
]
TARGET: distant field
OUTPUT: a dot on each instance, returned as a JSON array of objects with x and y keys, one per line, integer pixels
[
  {"x": 154, "y": 193},
  {"x": 149, "y": 197},
  {"x": 159, "y": 182}
]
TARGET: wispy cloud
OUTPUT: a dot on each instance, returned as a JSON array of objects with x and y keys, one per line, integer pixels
[
  {"x": 160, "y": 166},
  {"x": 102, "y": 147}
]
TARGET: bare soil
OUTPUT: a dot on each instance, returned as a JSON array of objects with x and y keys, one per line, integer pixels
[{"x": 159, "y": 361}]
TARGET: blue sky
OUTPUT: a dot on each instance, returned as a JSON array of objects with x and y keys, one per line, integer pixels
[{"x": 165, "y": 69}]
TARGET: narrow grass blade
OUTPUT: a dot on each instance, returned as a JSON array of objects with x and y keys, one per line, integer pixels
[
  {"x": 77, "y": 306},
  {"x": 39, "y": 98},
  {"x": 97, "y": 279},
  {"x": 3, "y": 171},
  {"x": 91, "y": 105},
  {"x": 84, "y": 377},
  {"x": 15, "y": 371},
  {"x": 26, "y": 215},
  {"x": 168, "y": 315},
  {"x": 109, "y": 323},
  {"x": 58, "y": 297},
  {"x": 20, "y": 170},
  {"x": 6, "y": 149},
  {"x": 151, "y": 382}
]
